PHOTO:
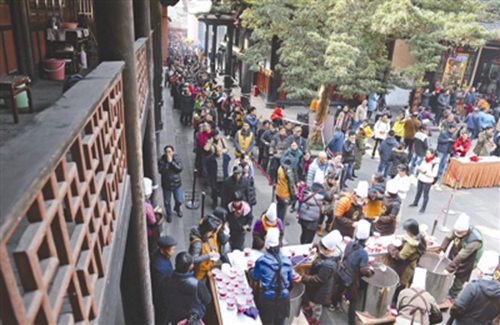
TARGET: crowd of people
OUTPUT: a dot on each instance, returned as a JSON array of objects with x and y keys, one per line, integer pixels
[{"x": 232, "y": 143}]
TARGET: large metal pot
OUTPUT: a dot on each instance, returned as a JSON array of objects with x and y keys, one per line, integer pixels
[
  {"x": 437, "y": 282},
  {"x": 296, "y": 293},
  {"x": 377, "y": 291}
]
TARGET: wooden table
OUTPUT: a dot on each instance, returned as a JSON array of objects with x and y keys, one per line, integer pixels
[
  {"x": 10, "y": 84},
  {"x": 464, "y": 173}
]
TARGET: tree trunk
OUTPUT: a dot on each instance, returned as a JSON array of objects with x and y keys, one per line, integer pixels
[{"x": 315, "y": 136}]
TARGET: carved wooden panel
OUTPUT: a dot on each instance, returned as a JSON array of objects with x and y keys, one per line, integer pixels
[
  {"x": 53, "y": 260},
  {"x": 141, "y": 66}
]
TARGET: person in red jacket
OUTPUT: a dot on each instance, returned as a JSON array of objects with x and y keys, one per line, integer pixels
[{"x": 462, "y": 144}]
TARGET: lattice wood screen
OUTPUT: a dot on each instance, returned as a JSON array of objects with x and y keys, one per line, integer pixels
[
  {"x": 141, "y": 66},
  {"x": 53, "y": 260}
]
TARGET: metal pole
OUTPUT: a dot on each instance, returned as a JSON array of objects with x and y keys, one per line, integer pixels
[
  {"x": 272, "y": 193},
  {"x": 193, "y": 205},
  {"x": 203, "y": 194}
]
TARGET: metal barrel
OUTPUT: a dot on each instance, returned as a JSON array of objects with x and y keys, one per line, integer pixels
[
  {"x": 437, "y": 282},
  {"x": 378, "y": 292},
  {"x": 296, "y": 293}
]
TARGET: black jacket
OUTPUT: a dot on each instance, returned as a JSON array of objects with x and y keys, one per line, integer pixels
[
  {"x": 396, "y": 158},
  {"x": 183, "y": 293},
  {"x": 212, "y": 168},
  {"x": 348, "y": 152},
  {"x": 319, "y": 283},
  {"x": 170, "y": 172},
  {"x": 231, "y": 186},
  {"x": 186, "y": 103}
]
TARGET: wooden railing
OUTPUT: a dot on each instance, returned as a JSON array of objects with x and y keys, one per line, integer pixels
[
  {"x": 61, "y": 201},
  {"x": 142, "y": 73}
]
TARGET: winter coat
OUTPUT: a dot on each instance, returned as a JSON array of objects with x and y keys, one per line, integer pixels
[
  {"x": 359, "y": 150},
  {"x": 244, "y": 142},
  {"x": 231, "y": 186},
  {"x": 385, "y": 148},
  {"x": 285, "y": 185},
  {"x": 396, "y": 158},
  {"x": 443, "y": 101},
  {"x": 184, "y": 293},
  {"x": 473, "y": 121},
  {"x": 404, "y": 259},
  {"x": 301, "y": 142},
  {"x": 483, "y": 146},
  {"x": 372, "y": 102},
  {"x": 354, "y": 264},
  {"x": 294, "y": 157},
  {"x": 200, "y": 249},
  {"x": 381, "y": 129},
  {"x": 259, "y": 232},
  {"x": 360, "y": 113},
  {"x": 265, "y": 270},
  {"x": 418, "y": 309},
  {"x": 236, "y": 222},
  {"x": 315, "y": 166},
  {"x": 346, "y": 213},
  {"x": 428, "y": 171},
  {"x": 348, "y": 152},
  {"x": 478, "y": 303},
  {"x": 170, "y": 172},
  {"x": 252, "y": 195},
  {"x": 465, "y": 252},
  {"x": 344, "y": 121},
  {"x": 460, "y": 142},
  {"x": 311, "y": 209},
  {"x": 486, "y": 120},
  {"x": 410, "y": 127},
  {"x": 398, "y": 128},
  {"x": 336, "y": 142},
  {"x": 445, "y": 142},
  {"x": 253, "y": 121},
  {"x": 319, "y": 282},
  {"x": 212, "y": 168},
  {"x": 425, "y": 99},
  {"x": 211, "y": 144},
  {"x": 186, "y": 104},
  {"x": 421, "y": 144},
  {"x": 386, "y": 223}
]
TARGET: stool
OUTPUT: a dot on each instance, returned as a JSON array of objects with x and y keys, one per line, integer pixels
[{"x": 10, "y": 84}]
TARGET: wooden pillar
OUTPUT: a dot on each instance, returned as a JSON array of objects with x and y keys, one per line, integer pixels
[
  {"x": 22, "y": 37},
  {"x": 213, "y": 54},
  {"x": 156, "y": 25},
  {"x": 246, "y": 74},
  {"x": 272, "y": 91},
  {"x": 207, "y": 32},
  {"x": 228, "y": 81},
  {"x": 115, "y": 32}
]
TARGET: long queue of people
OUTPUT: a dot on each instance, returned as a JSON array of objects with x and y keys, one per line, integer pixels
[{"x": 316, "y": 191}]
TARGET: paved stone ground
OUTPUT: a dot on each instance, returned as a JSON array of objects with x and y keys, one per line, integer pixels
[{"x": 481, "y": 204}]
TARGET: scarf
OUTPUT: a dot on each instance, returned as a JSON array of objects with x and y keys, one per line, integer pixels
[
  {"x": 265, "y": 225},
  {"x": 429, "y": 159}
]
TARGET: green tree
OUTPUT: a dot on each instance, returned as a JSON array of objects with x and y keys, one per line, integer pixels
[{"x": 345, "y": 43}]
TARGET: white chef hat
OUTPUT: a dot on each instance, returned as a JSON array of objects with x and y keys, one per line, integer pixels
[
  {"x": 272, "y": 238},
  {"x": 462, "y": 223},
  {"x": 392, "y": 186},
  {"x": 363, "y": 229},
  {"x": 148, "y": 186},
  {"x": 271, "y": 212},
  {"x": 362, "y": 189},
  {"x": 331, "y": 240},
  {"x": 488, "y": 262}
]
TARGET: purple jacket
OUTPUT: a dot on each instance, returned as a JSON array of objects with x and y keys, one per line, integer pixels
[{"x": 259, "y": 234}]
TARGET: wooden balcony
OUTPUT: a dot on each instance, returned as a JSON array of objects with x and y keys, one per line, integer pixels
[{"x": 64, "y": 205}]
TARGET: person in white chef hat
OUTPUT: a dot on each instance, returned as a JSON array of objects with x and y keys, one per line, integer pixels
[
  {"x": 466, "y": 249},
  {"x": 320, "y": 281},
  {"x": 353, "y": 266}
]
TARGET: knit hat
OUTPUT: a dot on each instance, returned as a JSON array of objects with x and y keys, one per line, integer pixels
[
  {"x": 166, "y": 241},
  {"x": 271, "y": 213},
  {"x": 362, "y": 189},
  {"x": 363, "y": 229},
  {"x": 462, "y": 223},
  {"x": 392, "y": 186},
  {"x": 331, "y": 240},
  {"x": 272, "y": 238},
  {"x": 148, "y": 186},
  {"x": 488, "y": 262}
]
